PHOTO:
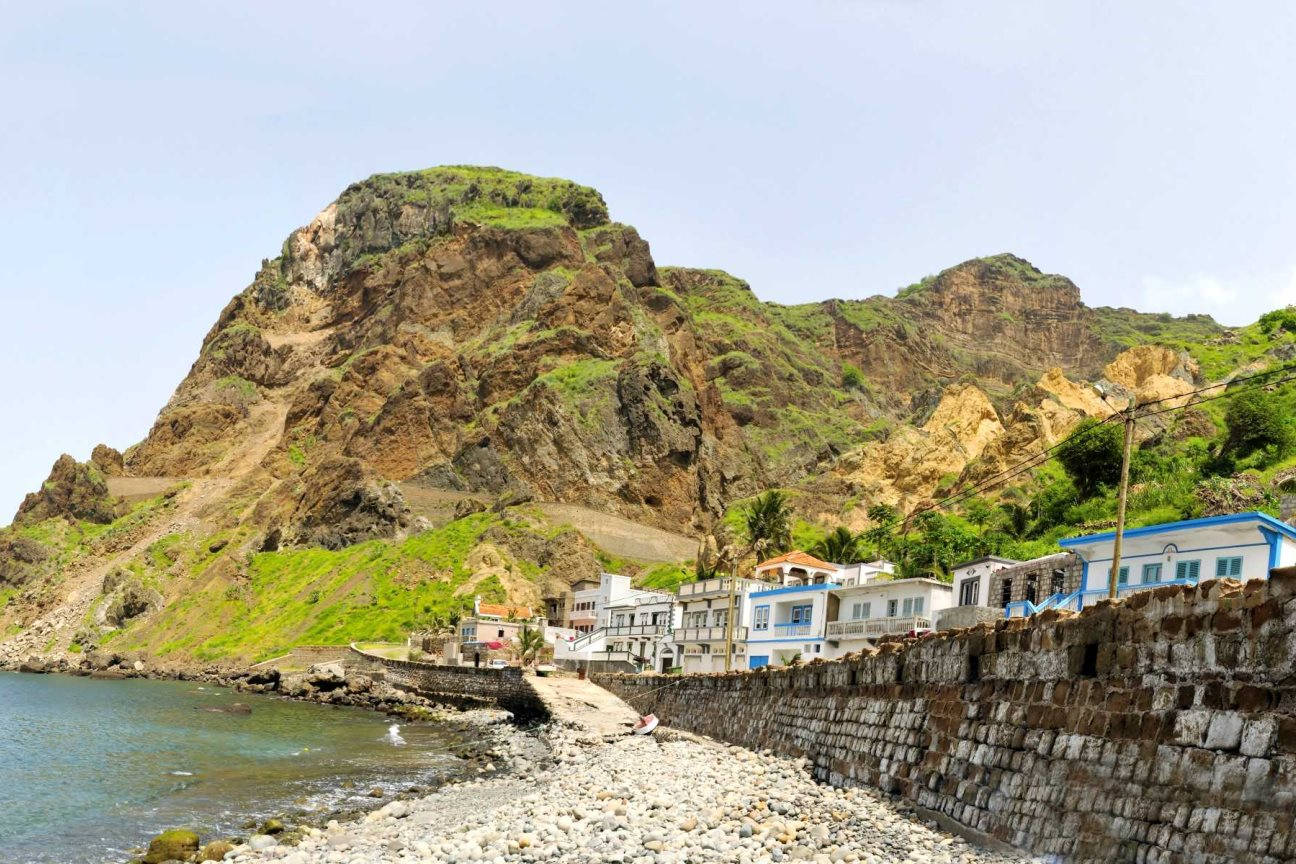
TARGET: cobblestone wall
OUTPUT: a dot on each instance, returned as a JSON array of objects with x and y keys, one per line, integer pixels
[
  {"x": 459, "y": 685},
  {"x": 1158, "y": 729},
  {"x": 1035, "y": 580}
]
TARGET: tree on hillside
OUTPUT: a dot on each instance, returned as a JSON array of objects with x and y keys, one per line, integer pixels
[
  {"x": 978, "y": 511},
  {"x": 882, "y": 536},
  {"x": 941, "y": 543},
  {"x": 768, "y": 524},
  {"x": 1014, "y": 520},
  {"x": 840, "y": 547},
  {"x": 1255, "y": 421},
  {"x": 1091, "y": 455}
]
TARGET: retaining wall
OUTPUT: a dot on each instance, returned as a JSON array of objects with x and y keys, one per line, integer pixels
[
  {"x": 305, "y": 656},
  {"x": 463, "y": 686},
  {"x": 1158, "y": 729}
]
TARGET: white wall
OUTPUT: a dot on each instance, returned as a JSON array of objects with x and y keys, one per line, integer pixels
[{"x": 935, "y": 597}]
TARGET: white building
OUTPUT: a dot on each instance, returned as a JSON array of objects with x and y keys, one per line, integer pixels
[
  {"x": 862, "y": 613},
  {"x": 788, "y": 619},
  {"x": 1236, "y": 546},
  {"x": 639, "y": 631},
  {"x": 972, "y": 579},
  {"x": 592, "y": 608},
  {"x": 701, "y": 636},
  {"x": 590, "y": 599}
]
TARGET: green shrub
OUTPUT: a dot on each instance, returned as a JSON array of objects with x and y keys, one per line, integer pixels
[{"x": 1091, "y": 456}]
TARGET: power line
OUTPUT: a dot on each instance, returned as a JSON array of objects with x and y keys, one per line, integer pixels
[{"x": 1003, "y": 476}]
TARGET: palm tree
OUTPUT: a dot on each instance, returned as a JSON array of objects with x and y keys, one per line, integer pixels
[
  {"x": 840, "y": 546},
  {"x": 768, "y": 523},
  {"x": 530, "y": 644},
  {"x": 1014, "y": 519}
]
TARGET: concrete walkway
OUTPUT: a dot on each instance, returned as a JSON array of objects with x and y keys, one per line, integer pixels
[{"x": 585, "y": 705}]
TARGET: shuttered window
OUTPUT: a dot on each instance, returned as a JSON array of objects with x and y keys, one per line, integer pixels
[
  {"x": 1231, "y": 566},
  {"x": 1188, "y": 570}
]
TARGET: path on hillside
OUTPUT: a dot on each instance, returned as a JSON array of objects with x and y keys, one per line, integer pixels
[
  {"x": 622, "y": 537},
  {"x": 50, "y": 633},
  {"x": 616, "y": 535}
]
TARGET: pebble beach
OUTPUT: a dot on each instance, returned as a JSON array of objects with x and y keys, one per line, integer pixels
[{"x": 559, "y": 794}]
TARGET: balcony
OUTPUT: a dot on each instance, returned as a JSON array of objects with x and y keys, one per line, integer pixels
[
  {"x": 708, "y": 634},
  {"x": 872, "y": 628},
  {"x": 794, "y": 629},
  {"x": 623, "y": 656},
  {"x": 706, "y": 588},
  {"x": 636, "y": 630}
]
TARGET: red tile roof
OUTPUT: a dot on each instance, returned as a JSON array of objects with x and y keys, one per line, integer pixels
[
  {"x": 798, "y": 557},
  {"x": 499, "y": 610}
]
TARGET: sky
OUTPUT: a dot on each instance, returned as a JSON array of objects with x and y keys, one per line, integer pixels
[{"x": 153, "y": 153}]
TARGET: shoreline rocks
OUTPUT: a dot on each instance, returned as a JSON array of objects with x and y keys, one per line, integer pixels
[{"x": 667, "y": 799}]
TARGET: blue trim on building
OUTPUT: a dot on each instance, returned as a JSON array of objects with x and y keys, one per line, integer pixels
[
  {"x": 1186, "y": 551},
  {"x": 796, "y": 639},
  {"x": 1275, "y": 545},
  {"x": 1265, "y": 520},
  {"x": 791, "y": 589}
]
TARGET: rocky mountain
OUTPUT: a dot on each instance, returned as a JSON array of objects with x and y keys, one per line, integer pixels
[{"x": 440, "y": 358}]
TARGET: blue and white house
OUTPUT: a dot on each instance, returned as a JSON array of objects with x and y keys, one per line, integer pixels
[
  {"x": 1235, "y": 546},
  {"x": 789, "y": 617}
]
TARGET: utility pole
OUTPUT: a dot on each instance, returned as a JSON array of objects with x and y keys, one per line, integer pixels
[
  {"x": 729, "y": 616},
  {"x": 1114, "y": 580}
]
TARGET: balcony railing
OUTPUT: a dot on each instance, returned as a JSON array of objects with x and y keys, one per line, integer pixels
[
  {"x": 614, "y": 655},
  {"x": 636, "y": 630},
  {"x": 708, "y": 634},
  {"x": 870, "y": 628},
  {"x": 706, "y": 588},
  {"x": 794, "y": 628}
]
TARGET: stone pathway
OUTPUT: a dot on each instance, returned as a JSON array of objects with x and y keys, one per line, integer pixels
[{"x": 585, "y": 705}]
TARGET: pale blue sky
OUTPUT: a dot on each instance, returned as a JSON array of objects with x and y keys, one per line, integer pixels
[{"x": 154, "y": 153}]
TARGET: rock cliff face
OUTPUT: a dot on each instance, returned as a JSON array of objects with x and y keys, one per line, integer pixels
[{"x": 484, "y": 339}]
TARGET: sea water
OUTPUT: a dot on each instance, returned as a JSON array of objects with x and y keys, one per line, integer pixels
[{"x": 90, "y": 769}]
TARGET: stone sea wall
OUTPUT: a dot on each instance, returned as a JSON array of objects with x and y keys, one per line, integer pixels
[
  {"x": 1158, "y": 729},
  {"x": 465, "y": 686},
  {"x": 305, "y": 656}
]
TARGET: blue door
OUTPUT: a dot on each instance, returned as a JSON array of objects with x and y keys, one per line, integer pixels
[{"x": 755, "y": 661}]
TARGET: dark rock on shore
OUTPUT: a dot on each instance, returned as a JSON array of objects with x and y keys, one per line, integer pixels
[{"x": 178, "y": 844}]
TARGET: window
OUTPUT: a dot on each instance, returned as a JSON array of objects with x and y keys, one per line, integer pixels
[
  {"x": 499, "y": 633},
  {"x": 969, "y": 591},
  {"x": 1032, "y": 590},
  {"x": 918, "y": 605},
  {"x": 1151, "y": 573},
  {"x": 860, "y": 610},
  {"x": 908, "y": 606},
  {"x": 1189, "y": 570},
  {"x": 801, "y": 614},
  {"x": 1122, "y": 578},
  {"x": 1059, "y": 582},
  {"x": 706, "y": 649},
  {"x": 1228, "y": 566},
  {"x": 893, "y": 606},
  {"x": 760, "y": 618},
  {"x": 1005, "y": 592},
  {"x": 720, "y": 617}
]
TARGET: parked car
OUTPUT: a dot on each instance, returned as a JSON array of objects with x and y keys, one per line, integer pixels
[{"x": 497, "y": 663}]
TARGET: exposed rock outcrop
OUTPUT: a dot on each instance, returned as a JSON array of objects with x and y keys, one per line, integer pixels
[
  {"x": 74, "y": 490},
  {"x": 342, "y": 502}
]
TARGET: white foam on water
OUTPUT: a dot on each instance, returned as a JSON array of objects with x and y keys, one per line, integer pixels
[
  {"x": 181, "y": 773},
  {"x": 394, "y": 736}
]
